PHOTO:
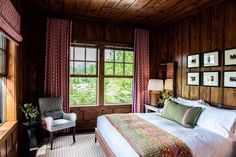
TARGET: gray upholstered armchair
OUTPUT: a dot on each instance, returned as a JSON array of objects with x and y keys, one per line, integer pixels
[{"x": 53, "y": 118}]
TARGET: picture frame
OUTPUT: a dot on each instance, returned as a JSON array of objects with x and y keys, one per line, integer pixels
[
  {"x": 193, "y": 78},
  {"x": 211, "y": 78},
  {"x": 211, "y": 59},
  {"x": 230, "y": 57},
  {"x": 193, "y": 61},
  {"x": 230, "y": 79}
]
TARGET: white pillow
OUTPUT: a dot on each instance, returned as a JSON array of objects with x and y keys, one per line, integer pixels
[
  {"x": 220, "y": 121},
  {"x": 195, "y": 103}
]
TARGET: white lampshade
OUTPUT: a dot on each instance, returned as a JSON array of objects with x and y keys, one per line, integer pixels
[
  {"x": 168, "y": 84},
  {"x": 155, "y": 85}
]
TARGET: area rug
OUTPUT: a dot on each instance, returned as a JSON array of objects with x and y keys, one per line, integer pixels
[{"x": 63, "y": 147}]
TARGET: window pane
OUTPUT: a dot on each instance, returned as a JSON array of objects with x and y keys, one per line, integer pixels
[
  {"x": 129, "y": 56},
  {"x": 79, "y": 53},
  {"x": 2, "y": 62},
  {"x": 71, "y": 53},
  {"x": 79, "y": 67},
  {"x": 1, "y": 41},
  {"x": 119, "y": 56},
  {"x": 108, "y": 68},
  {"x": 4, "y": 42},
  {"x": 83, "y": 91},
  {"x": 91, "y": 68},
  {"x": 109, "y": 55},
  {"x": 119, "y": 69},
  {"x": 2, "y": 99},
  {"x": 71, "y": 67},
  {"x": 118, "y": 90},
  {"x": 91, "y": 54},
  {"x": 129, "y": 69}
]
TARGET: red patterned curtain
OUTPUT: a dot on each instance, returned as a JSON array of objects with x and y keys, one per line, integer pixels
[
  {"x": 9, "y": 20},
  {"x": 58, "y": 39},
  {"x": 141, "y": 70}
]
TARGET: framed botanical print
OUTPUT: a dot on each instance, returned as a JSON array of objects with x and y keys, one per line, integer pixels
[
  {"x": 193, "y": 61},
  {"x": 193, "y": 78},
  {"x": 230, "y": 57},
  {"x": 230, "y": 79},
  {"x": 211, "y": 59},
  {"x": 211, "y": 78}
]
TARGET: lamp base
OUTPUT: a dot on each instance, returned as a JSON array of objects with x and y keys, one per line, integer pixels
[{"x": 154, "y": 98}]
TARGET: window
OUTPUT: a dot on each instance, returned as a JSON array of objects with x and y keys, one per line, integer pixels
[
  {"x": 118, "y": 76},
  {"x": 83, "y": 72},
  {"x": 3, "y": 51},
  {"x": 100, "y": 76}
]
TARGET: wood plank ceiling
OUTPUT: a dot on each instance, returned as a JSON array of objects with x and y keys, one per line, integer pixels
[{"x": 147, "y": 12}]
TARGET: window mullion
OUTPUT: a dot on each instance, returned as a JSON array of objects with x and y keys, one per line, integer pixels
[
  {"x": 101, "y": 77},
  {"x": 85, "y": 54},
  {"x": 114, "y": 60},
  {"x": 123, "y": 63}
]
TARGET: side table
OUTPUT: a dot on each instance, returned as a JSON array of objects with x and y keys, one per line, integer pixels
[
  {"x": 150, "y": 108},
  {"x": 31, "y": 128}
]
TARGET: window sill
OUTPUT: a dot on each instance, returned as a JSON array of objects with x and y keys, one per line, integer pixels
[
  {"x": 105, "y": 105},
  {"x": 6, "y": 128}
]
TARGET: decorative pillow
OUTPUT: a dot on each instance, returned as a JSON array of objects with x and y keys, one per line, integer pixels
[
  {"x": 56, "y": 114},
  {"x": 184, "y": 115},
  {"x": 220, "y": 121},
  {"x": 187, "y": 102}
]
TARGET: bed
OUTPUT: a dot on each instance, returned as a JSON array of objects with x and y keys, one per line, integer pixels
[{"x": 201, "y": 141}]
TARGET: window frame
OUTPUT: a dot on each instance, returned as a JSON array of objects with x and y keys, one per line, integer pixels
[
  {"x": 118, "y": 76},
  {"x": 4, "y": 76},
  {"x": 100, "y": 72},
  {"x": 85, "y": 75}
]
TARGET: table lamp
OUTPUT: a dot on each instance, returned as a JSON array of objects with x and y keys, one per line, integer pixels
[
  {"x": 168, "y": 85},
  {"x": 155, "y": 86}
]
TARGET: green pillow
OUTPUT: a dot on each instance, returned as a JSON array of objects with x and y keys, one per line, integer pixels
[{"x": 184, "y": 115}]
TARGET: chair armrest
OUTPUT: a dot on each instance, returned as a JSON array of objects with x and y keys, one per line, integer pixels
[
  {"x": 47, "y": 122},
  {"x": 70, "y": 116}
]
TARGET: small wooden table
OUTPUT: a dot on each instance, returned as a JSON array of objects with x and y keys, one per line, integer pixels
[
  {"x": 150, "y": 108},
  {"x": 31, "y": 128}
]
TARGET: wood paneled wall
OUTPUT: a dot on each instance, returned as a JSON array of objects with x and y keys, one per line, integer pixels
[
  {"x": 95, "y": 32},
  {"x": 8, "y": 139},
  {"x": 212, "y": 29},
  {"x": 91, "y": 32},
  {"x": 87, "y": 116},
  {"x": 31, "y": 60}
]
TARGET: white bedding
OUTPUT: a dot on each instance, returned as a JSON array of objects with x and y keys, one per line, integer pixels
[{"x": 202, "y": 143}]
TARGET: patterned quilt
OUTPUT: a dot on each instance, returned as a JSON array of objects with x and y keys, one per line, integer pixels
[{"x": 146, "y": 139}]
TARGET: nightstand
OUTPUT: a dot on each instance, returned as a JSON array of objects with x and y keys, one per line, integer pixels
[{"x": 150, "y": 108}]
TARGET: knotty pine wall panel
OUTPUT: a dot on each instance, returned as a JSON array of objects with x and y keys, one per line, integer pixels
[
  {"x": 209, "y": 30},
  {"x": 87, "y": 116}
]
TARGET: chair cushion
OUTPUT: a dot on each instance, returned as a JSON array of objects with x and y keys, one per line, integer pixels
[
  {"x": 56, "y": 114},
  {"x": 184, "y": 115},
  {"x": 60, "y": 124}
]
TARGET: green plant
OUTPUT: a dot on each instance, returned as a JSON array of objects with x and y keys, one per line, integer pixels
[
  {"x": 163, "y": 97},
  {"x": 30, "y": 111}
]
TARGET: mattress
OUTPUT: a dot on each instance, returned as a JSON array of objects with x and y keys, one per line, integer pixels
[{"x": 200, "y": 141}]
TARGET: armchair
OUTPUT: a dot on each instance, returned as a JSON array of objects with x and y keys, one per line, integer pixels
[{"x": 53, "y": 118}]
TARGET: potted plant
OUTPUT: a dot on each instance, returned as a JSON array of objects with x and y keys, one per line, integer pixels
[
  {"x": 30, "y": 111},
  {"x": 163, "y": 97}
]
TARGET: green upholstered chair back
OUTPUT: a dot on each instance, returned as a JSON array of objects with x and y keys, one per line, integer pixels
[{"x": 50, "y": 104}]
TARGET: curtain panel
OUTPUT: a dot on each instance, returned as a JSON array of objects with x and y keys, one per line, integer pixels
[
  {"x": 58, "y": 38},
  {"x": 9, "y": 21},
  {"x": 141, "y": 70}
]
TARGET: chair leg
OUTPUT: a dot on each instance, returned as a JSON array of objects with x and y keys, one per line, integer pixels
[
  {"x": 51, "y": 139},
  {"x": 74, "y": 134}
]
